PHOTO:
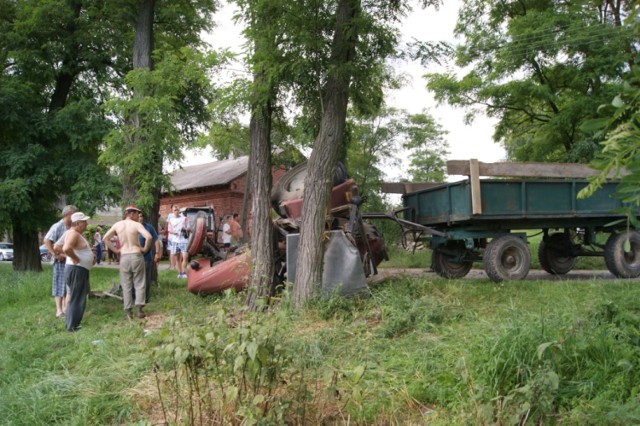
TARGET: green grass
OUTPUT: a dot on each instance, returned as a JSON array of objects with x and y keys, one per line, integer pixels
[{"x": 416, "y": 351}]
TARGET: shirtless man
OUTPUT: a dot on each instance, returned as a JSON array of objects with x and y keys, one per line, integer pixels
[{"x": 131, "y": 258}]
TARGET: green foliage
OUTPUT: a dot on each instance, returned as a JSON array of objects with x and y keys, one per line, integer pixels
[
  {"x": 620, "y": 156},
  {"x": 531, "y": 375},
  {"x": 243, "y": 368},
  {"x": 540, "y": 68},
  {"x": 379, "y": 140},
  {"x": 51, "y": 125},
  {"x": 171, "y": 102},
  {"x": 419, "y": 350},
  {"x": 619, "y": 127}
]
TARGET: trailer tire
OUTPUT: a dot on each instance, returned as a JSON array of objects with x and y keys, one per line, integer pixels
[
  {"x": 550, "y": 254},
  {"x": 621, "y": 263},
  {"x": 507, "y": 258},
  {"x": 446, "y": 268}
]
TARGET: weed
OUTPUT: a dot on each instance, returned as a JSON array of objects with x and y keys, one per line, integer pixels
[{"x": 417, "y": 351}]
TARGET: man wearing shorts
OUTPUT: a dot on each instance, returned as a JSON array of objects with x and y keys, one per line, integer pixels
[
  {"x": 57, "y": 230},
  {"x": 178, "y": 241}
]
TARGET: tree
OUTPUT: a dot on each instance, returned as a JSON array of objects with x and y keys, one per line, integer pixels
[
  {"x": 424, "y": 140},
  {"x": 382, "y": 139},
  {"x": 57, "y": 60},
  {"x": 542, "y": 68},
  {"x": 165, "y": 100},
  {"x": 619, "y": 127},
  {"x": 311, "y": 61},
  {"x": 264, "y": 60},
  {"x": 325, "y": 152}
]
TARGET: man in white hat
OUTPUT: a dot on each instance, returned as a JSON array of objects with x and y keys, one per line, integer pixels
[
  {"x": 131, "y": 258},
  {"x": 57, "y": 230},
  {"x": 80, "y": 260}
]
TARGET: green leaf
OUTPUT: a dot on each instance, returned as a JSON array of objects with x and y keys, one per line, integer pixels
[
  {"x": 618, "y": 102},
  {"x": 543, "y": 347},
  {"x": 252, "y": 349}
]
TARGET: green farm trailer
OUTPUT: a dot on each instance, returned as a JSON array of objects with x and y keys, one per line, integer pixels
[{"x": 484, "y": 220}]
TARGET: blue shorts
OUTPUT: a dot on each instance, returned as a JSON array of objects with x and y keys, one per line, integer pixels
[
  {"x": 176, "y": 248},
  {"x": 58, "y": 288}
]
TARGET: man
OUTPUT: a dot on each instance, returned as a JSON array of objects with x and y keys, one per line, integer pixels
[
  {"x": 236, "y": 230},
  {"x": 97, "y": 243},
  {"x": 131, "y": 258},
  {"x": 58, "y": 288},
  {"x": 226, "y": 233},
  {"x": 152, "y": 256},
  {"x": 175, "y": 211},
  {"x": 79, "y": 261},
  {"x": 178, "y": 241}
]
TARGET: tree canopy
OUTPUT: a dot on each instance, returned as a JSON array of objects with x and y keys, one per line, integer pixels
[
  {"x": 541, "y": 68},
  {"x": 57, "y": 60},
  {"x": 61, "y": 63}
]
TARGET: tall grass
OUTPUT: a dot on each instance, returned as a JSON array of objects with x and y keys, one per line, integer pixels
[{"x": 416, "y": 351}]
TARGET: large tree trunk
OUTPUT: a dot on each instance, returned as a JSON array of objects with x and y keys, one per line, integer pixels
[
  {"x": 25, "y": 239},
  {"x": 262, "y": 267},
  {"x": 25, "y": 249},
  {"x": 142, "y": 49},
  {"x": 326, "y": 146}
]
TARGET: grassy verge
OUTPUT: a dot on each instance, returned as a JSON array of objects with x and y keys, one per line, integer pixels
[
  {"x": 400, "y": 258},
  {"x": 416, "y": 351}
]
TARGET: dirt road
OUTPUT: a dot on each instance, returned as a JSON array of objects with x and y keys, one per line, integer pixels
[{"x": 479, "y": 274}]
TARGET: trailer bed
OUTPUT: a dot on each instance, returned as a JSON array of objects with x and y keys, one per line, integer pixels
[{"x": 509, "y": 203}]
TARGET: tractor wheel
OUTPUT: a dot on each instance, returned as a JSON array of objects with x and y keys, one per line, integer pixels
[
  {"x": 198, "y": 234},
  {"x": 291, "y": 185}
]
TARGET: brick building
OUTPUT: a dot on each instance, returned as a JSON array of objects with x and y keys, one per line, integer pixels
[{"x": 220, "y": 184}]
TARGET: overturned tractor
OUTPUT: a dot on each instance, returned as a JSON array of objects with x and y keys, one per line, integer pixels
[{"x": 353, "y": 248}]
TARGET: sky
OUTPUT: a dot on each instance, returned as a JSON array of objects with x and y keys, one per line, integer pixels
[{"x": 465, "y": 141}]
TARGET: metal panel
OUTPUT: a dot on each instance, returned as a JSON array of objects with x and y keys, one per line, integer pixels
[
  {"x": 520, "y": 200},
  {"x": 343, "y": 271}
]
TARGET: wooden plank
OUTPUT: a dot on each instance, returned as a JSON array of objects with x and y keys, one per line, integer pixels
[
  {"x": 541, "y": 170},
  {"x": 103, "y": 294},
  {"x": 406, "y": 187},
  {"x": 474, "y": 177}
]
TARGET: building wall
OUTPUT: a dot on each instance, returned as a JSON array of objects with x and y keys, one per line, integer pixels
[{"x": 227, "y": 199}]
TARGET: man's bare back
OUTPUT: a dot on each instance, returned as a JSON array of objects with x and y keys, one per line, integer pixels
[{"x": 127, "y": 231}]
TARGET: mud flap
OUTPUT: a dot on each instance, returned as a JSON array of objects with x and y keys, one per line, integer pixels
[{"x": 343, "y": 272}]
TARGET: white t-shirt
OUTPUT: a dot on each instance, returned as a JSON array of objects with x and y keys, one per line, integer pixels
[
  {"x": 176, "y": 224},
  {"x": 226, "y": 233}
]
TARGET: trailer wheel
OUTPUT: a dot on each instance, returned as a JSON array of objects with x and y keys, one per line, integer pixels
[
  {"x": 507, "y": 258},
  {"x": 444, "y": 265},
  {"x": 552, "y": 254},
  {"x": 621, "y": 263}
]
